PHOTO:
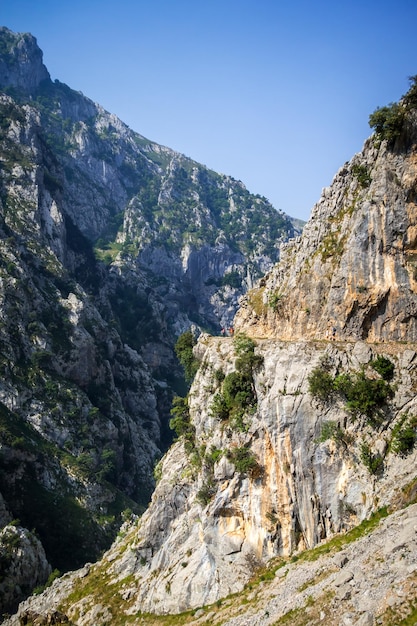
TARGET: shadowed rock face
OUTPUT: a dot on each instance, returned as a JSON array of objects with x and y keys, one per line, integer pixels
[{"x": 22, "y": 68}]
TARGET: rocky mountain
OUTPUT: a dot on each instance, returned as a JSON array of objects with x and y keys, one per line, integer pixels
[
  {"x": 289, "y": 496},
  {"x": 111, "y": 246},
  {"x": 199, "y": 236}
]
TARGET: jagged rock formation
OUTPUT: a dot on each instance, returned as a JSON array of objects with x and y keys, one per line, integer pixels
[
  {"x": 354, "y": 268},
  {"x": 23, "y": 565},
  {"x": 110, "y": 247},
  {"x": 294, "y": 438},
  {"x": 21, "y": 65}
]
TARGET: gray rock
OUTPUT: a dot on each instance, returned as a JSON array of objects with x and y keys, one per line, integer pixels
[
  {"x": 344, "y": 592},
  {"x": 366, "y": 619},
  {"x": 24, "y": 565},
  {"x": 340, "y": 560},
  {"x": 26, "y": 71},
  {"x": 403, "y": 538},
  {"x": 343, "y": 577}
]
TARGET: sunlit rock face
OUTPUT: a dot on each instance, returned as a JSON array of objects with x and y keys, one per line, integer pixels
[
  {"x": 304, "y": 489},
  {"x": 354, "y": 268}
]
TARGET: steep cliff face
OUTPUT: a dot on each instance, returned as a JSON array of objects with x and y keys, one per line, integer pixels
[
  {"x": 242, "y": 496},
  {"x": 21, "y": 65},
  {"x": 354, "y": 268},
  {"x": 290, "y": 435},
  {"x": 79, "y": 424}
]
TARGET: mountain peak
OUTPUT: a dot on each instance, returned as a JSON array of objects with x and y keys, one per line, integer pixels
[{"x": 21, "y": 61}]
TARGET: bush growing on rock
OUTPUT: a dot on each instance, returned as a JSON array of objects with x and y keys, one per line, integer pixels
[
  {"x": 363, "y": 396},
  {"x": 384, "y": 367},
  {"x": 180, "y": 422},
  {"x": 387, "y": 121},
  {"x": 321, "y": 384},
  {"x": 244, "y": 461},
  {"x": 373, "y": 462},
  {"x": 331, "y": 430},
  {"x": 404, "y": 435},
  {"x": 238, "y": 395},
  {"x": 184, "y": 351},
  {"x": 205, "y": 493}
]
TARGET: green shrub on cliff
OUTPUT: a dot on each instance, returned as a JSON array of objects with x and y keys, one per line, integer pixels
[
  {"x": 364, "y": 396},
  {"x": 387, "y": 121},
  {"x": 184, "y": 351},
  {"x": 180, "y": 421},
  {"x": 404, "y": 435},
  {"x": 238, "y": 395}
]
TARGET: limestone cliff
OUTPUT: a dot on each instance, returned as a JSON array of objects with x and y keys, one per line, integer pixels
[
  {"x": 26, "y": 71},
  {"x": 292, "y": 434},
  {"x": 354, "y": 268}
]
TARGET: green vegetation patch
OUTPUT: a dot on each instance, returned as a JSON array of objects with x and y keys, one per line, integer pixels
[
  {"x": 237, "y": 397},
  {"x": 404, "y": 435},
  {"x": 374, "y": 462},
  {"x": 362, "y": 174},
  {"x": 180, "y": 421},
  {"x": 244, "y": 461},
  {"x": 364, "y": 396},
  {"x": 388, "y": 121},
  {"x": 184, "y": 351},
  {"x": 332, "y": 246},
  {"x": 332, "y": 430}
]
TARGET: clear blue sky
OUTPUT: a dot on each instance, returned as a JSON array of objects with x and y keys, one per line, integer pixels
[{"x": 276, "y": 93}]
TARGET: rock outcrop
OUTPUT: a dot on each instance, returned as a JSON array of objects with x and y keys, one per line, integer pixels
[
  {"x": 21, "y": 66},
  {"x": 23, "y": 566},
  {"x": 354, "y": 268}
]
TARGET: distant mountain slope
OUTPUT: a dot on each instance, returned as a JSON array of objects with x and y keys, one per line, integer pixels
[{"x": 202, "y": 232}]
